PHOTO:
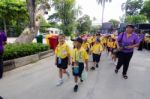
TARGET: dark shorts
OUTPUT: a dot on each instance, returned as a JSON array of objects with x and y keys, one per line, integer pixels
[
  {"x": 63, "y": 64},
  {"x": 81, "y": 68},
  {"x": 96, "y": 58}
]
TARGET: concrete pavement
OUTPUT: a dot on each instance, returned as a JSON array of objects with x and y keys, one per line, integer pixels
[{"x": 38, "y": 81}]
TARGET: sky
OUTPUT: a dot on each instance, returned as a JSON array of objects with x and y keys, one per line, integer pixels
[{"x": 91, "y": 8}]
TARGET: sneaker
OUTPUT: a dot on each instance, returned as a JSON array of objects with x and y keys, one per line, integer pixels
[
  {"x": 97, "y": 65},
  {"x": 67, "y": 73},
  {"x": 116, "y": 71},
  {"x": 75, "y": 88},
  {"x": 125, "y": 76},
  {"x": 81, "y": 80},
  {"x": 60, "y": 83},
  {"x": 93, "y": 68}
]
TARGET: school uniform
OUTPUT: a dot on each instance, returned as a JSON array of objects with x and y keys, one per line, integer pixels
[
  {"x": 96, "y": 50},
  {"x": 79, "y": 57},
  {"x": 62, "y": 53}
]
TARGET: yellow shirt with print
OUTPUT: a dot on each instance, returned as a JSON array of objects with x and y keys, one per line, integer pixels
[
  {"x": 79, "y": 55},
  {"x": 97, "y": 48},
  {"x": 62, "y": 51},
  {"x": 86, "y": 45}
]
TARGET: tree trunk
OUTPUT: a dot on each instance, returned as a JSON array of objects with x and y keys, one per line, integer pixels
[
  {"x": 5, "y": 26},
  {"x": 103, "y": 9},
  {"x": 30, "y": 32}
]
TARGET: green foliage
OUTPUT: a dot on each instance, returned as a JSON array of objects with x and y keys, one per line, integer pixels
[
  {"x": 13, "y": 51},
  {"x": 137, "y": 19},
  {"x": 146, "y": 9},
  {"x": 114, "y": 22},
  {"x": 84, "y": 24},
  {"x": 66, "y": 14},
  {"x": 94, "y": 29},
  {"x": 44, "y": 25},
  {"x": 103, "y": 1},
  {"x": 132, "y": 7},
  {"x": 13, "y": 15}
]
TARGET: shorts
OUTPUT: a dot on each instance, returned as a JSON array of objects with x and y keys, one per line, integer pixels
[
  {"x": 63, "y": 64},
  {"x": 96, "y": 58},
  {"x": 81, "y": 68}
]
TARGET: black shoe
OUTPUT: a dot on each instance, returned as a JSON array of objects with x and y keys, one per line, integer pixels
[
  {"x": 125, "y": 76},
  {"x": 93, "y": 68},
  {"x": 97, "y": 65},
  {"x": 1, "y": 97},
  {"x": 81, "y": 80},
  {"x": 75, "y": 88},
  {"x": 116, "y": 71}
]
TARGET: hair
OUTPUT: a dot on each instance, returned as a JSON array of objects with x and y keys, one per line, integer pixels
[{"x": 62, "y": 35}]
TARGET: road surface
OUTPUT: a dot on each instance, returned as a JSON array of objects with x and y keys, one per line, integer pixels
[{"x": 38, "y": 81}]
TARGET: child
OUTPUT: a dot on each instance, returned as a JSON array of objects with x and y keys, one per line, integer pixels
[
  {"x": 86, "y": 45},
  {"x": 62, "y": 59},
  {"x": 79, "y": 58},
  {"x": 96, "y": 52}
]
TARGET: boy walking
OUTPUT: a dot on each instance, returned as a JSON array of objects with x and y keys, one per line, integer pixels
[
  {"x": 96, "y": 52},
  {"x": 62, "y": 59},
  {"x": 79, "y": 57}
]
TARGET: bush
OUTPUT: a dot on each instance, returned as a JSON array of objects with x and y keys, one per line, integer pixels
[{"x": 13, "y": 51}]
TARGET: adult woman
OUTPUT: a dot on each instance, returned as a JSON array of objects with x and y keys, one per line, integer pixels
[{"x": 127, "y": 41}]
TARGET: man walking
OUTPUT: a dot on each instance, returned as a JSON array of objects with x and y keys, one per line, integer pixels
[{"x": 3, "y": 40}]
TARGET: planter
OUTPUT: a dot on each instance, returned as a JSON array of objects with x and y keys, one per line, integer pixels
[
  {"x": 9, "y": 65},
  {"x": 19, "y": 62},
  {"x": 26, "y": 60}
]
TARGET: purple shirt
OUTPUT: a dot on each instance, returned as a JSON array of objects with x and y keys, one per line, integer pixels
[
  {"x": 3, "y": 38},
  {"x": 142, "y": 36},
  {"x": 124, "y": 41}
]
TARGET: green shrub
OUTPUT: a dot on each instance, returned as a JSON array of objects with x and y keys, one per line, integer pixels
[{"x": 13, "y": 51}]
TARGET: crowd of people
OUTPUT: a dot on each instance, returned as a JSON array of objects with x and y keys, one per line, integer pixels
[{"x": 120, "y": 47}]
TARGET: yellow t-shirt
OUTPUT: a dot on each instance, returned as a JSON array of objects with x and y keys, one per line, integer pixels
[
  {"x": 86, "y": 46},
  {"x": 79, "y": 55},
  {"x": 62, "y": 51},
  {"x": 97, "y": 48}
]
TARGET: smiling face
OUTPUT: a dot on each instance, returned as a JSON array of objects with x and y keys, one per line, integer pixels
[
  {"x": 129, "y": 30},
  {"x": 61, "y": 38}
]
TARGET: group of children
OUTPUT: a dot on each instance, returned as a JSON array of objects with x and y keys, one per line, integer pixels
[{"x": 78, "y": 57}]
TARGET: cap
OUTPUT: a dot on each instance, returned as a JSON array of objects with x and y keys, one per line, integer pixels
[
  {"x": 79, "y": 40},
  {"x": 130, "y": 26}
]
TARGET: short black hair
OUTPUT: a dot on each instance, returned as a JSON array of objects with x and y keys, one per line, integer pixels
[{"x": 130, "y": 25}]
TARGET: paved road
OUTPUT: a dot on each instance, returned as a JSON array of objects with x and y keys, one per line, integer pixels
[{"x": 38, "y": 81}]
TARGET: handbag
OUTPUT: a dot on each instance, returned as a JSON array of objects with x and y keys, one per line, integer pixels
[
  {"x": 116, "y": 51},
  {"x": 84, "y": 75}
]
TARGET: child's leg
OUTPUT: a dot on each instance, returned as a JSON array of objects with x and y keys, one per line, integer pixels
[{"x": 60, "y": 73}]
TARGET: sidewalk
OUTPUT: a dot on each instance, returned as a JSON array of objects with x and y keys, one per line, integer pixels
[{"x": 38, "y": 81}]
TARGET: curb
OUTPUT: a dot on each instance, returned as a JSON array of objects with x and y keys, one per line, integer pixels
[{"x": 19, "y": 62}]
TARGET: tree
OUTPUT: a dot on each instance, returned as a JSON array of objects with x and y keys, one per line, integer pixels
[
  {"x": 44, "y": 25},
  {"x": 66, "y": 14},
  {"x": 114, "y": 22},
  {"x": 84, "y": 24},
  {"x": 146, "y": 9},
  {"x": 95, "y": 28},
  {"x": 13, "y": 13},
  {"x": 136, "y": 19},
  {"x": 103, "y": 2},
  {"x": 36, "y": 9},
  {"x": 132, "y": 7}
]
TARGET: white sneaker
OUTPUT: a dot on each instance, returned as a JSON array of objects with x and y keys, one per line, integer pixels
[
  {"x": 67, "y": 73},
  {"x": 60, "y": 82}
]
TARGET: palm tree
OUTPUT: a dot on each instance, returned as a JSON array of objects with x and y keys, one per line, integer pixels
[{"x": 103, "y": 2}]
